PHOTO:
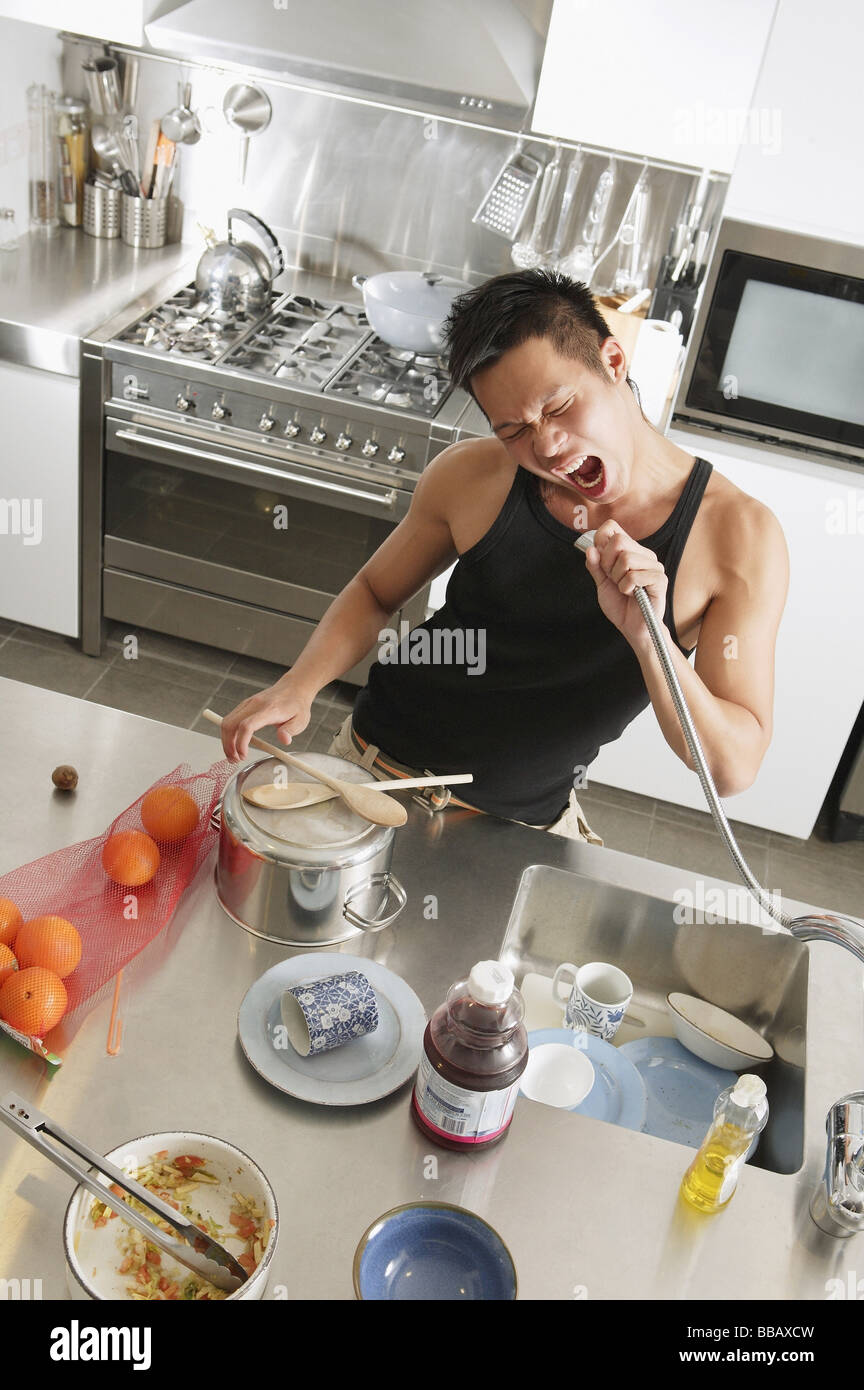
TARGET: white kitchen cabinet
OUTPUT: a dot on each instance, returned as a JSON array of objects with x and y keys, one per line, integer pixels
[
  {"x": 671, "y": 79},
  {"x": 820, "y": 655},
  {"x": 804, "y": 172},
  {"x": 118, "y": 21},
  {"x": 39, "y": 543}
]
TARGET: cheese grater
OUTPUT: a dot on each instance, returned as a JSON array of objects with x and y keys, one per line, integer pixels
[{"x": 503, "y": 209}]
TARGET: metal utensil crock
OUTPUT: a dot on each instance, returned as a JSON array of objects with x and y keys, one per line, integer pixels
[{"x": 314, "y": 876}]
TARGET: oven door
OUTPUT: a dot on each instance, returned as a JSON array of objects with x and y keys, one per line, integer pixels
[{"x": 230, "y": 547}]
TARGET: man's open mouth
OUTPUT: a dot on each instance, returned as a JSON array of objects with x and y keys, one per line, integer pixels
[{"x": 585, "y": 472}]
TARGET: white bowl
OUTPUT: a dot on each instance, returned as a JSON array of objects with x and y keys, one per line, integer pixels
[
  {"x": 716, "y": 1036},
  {"x": 93, "y": 1254},
  {"x": 558, "y": 1075}
]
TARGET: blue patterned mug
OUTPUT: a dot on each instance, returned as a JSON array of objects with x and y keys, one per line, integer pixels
[
  {"x": 322, "y": 1014},
  {"x": 597, "y": 997}
]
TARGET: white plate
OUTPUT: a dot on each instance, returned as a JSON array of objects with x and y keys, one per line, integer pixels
[
  {"x": 93, "y": 1254},
  {"x": 354, "y": 1074}
]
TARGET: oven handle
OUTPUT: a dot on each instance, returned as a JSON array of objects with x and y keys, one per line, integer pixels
[{"x": 387, "y": 499}]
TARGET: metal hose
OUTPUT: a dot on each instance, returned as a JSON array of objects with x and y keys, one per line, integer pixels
[{"x": 839, "y": 929}]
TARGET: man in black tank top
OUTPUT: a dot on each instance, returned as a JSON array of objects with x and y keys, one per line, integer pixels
[{"x": 540, "y": 655}]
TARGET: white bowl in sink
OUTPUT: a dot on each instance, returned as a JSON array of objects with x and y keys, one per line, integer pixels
[
  {"x": 93, "y": 1254},
  {"x": 716, "y": 1036}
]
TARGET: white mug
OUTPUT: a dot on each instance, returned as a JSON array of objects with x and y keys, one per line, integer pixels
[{"x": 597, "y": 997}]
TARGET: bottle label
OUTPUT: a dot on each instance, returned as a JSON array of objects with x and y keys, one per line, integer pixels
[{"x": 470, "y": 1117}]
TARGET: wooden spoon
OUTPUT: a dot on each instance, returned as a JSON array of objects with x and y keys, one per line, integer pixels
[
  {"x": 374, "y": 806},
  {"x": 283, "y": 796}
]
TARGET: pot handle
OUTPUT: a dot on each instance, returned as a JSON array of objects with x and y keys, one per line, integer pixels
[
  {"x": 392, "y": 886},
  {"x": 358, "y": 281},
  {"x": 272, "y": 247}
]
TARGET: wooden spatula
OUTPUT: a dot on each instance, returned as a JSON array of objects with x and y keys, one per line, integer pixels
[
  {"x": 374, "y": 806},
  {"x": 285, "y": 796}
]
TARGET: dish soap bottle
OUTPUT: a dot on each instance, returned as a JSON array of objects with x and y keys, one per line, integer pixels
[
  {"x": 475, "y": 1049},
  {"x": 740, "y": 1112}
]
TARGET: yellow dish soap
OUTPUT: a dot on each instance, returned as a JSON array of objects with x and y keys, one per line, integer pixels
[{"x": 740, "y": 1112}]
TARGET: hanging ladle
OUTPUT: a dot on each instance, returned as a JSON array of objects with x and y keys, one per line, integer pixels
[{"x": 246, "y": 109}]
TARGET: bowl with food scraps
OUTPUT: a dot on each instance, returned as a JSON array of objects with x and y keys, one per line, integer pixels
[{"x": 213, "y": 1183}]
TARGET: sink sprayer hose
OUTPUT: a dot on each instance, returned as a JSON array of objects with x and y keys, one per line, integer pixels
[{"x": 844, "y": 931}]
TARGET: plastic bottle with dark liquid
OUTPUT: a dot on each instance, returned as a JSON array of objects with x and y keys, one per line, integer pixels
[{"x": 475, "y": 1049}]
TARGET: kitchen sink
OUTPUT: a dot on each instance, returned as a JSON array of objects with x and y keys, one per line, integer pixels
[{"x": 758, "y": 974}]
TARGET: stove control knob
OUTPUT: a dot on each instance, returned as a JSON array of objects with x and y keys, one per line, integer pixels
[
  {"x": 344, "y": 441},
  {"x": 396, "y": 455},
  {"x": 292, "y": 429},
  {"x": 317, "y": 435},
  {"x": 369, "y": 449},
  {"x": 266, "y": 423},
  {"x": 184, "y": 403},
  {"x": 220, "y": 411}
]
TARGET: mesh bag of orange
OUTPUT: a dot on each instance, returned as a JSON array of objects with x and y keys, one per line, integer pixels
[{"x": 69, "y": 922}]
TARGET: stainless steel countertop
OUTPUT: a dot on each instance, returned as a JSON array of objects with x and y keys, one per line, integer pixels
[
  {"x": 581, "y": 1204},
  {"x": 56, "y": 290}
]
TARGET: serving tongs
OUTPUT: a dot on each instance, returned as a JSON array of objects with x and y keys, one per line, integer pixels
[{"x": 202, "y": 1254}]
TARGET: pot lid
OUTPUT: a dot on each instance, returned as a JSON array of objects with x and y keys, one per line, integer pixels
[
  {"x": 423, "y": 294},
  {"x": 329, "y": 826}
]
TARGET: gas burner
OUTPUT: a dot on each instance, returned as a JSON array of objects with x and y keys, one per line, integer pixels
[
  {"x": 189, "y": 325},
  {"x": 395, "y": 378}
]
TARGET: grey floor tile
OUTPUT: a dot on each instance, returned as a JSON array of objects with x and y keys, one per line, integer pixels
[
  {"x": 619, "y": 827},
  {"x": 615, "y": 796},
  {"x": 816, "y": 879},
  {"x": 230, "y": 692},
  {"x": 702, "y": 851},
  {"x": 203, "y": 726},
  {"x": 142, "y": 691},
  {"x": 68, "y": 671},
  {"x": 846, "y": 853},
  {"x": 40, "y": 637},
  {"x": 6, "y": 628},
  {"x": 339, "y": 693},
  {"x": 259, "y": 673},
  {"x": 175, "y": 650},
  {"x": 146, "y": 667},
  {"x": 703, "y": 820}
]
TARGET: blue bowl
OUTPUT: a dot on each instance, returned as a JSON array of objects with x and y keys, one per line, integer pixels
[{"x": 432, "y": 1251}]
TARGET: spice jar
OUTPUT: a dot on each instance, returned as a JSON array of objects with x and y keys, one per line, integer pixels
[{"x": 43, "y": 158}]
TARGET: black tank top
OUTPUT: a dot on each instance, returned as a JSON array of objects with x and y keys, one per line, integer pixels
[{"x": 559, "y": 678}]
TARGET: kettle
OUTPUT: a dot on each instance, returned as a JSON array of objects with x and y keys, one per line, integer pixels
[{"x": 236, "y": 276}]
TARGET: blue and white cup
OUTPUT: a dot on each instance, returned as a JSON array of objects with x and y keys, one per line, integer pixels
[
  {"x": 319, "y": 1015},
  {"x": 596, "y": 999}
]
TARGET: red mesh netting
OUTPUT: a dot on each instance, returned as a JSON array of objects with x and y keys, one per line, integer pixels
[{"x": 115, "y": 923}]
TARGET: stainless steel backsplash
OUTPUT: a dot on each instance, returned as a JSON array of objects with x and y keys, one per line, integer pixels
[{"x": 353, "y": 188}]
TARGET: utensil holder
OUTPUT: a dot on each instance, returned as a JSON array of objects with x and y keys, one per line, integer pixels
[
  {"x": 143, "y": 221},
  {"x": 101, "y": 210}
]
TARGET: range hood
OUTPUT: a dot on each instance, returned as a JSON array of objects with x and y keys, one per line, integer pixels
[{"x": 479, "y": 59}]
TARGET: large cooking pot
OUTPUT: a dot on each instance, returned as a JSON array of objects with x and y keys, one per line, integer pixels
[
  {"x": 313, "y": 876},
  {"x": 407, "y": 308},
  {"x": 236, "y": 276}
]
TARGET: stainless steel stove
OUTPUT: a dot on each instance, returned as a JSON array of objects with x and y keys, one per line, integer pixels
[{"x": 247, "y": 467}]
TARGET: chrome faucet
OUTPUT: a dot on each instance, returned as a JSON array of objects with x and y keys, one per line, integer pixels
[
  {"x": 830, "y": 926},
  {"x": 837, "y": 1205}
]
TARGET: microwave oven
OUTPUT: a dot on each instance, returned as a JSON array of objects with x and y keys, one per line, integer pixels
[{"x": 776, "y": 354}]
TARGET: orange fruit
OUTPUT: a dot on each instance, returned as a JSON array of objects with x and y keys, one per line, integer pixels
[
  {"x": 8, "y": 963},
  {"x": 33, "y": 1001},
  {"x": 10, "y": 921},
  {"x": 130, "y": 857},
  {"x": 169, "y": 813},
  {"x": 51, "y": 942}
]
